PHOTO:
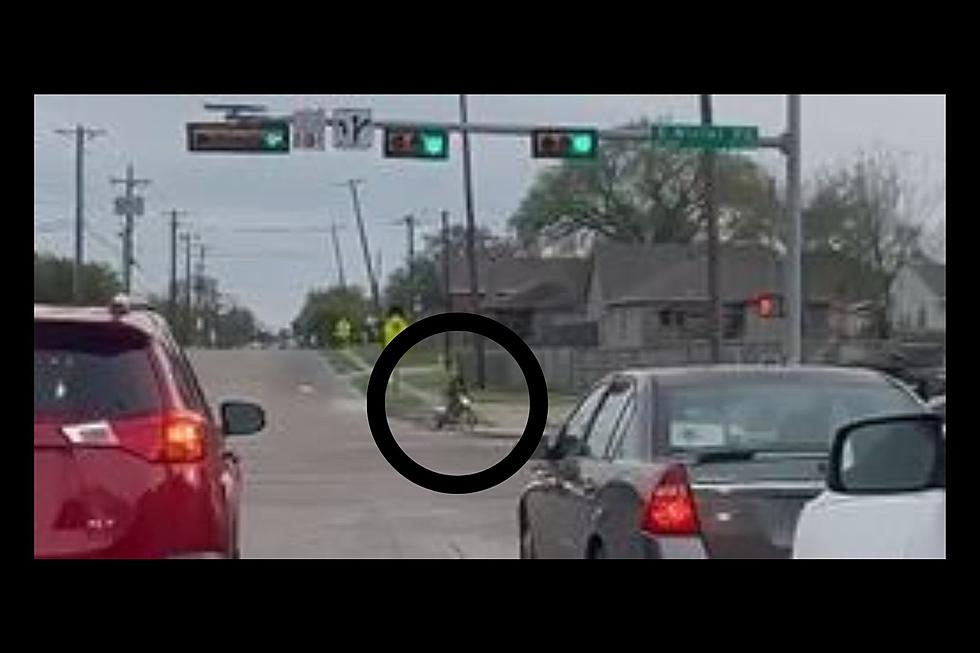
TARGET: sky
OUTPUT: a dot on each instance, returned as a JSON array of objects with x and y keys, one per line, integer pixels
[{"x": 227, "y": 195}]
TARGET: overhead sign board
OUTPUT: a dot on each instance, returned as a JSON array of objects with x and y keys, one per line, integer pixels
[
  {"x": 309, "y": 129},
  {"x": 129, "y": 205},
  {"x": 258, "y": 137},
  {"x": 353, "y": 129}
]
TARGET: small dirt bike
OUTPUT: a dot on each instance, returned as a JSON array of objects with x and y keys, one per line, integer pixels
[{"x": 458, "y": 413}]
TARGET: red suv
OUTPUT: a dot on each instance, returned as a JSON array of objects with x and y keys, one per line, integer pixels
[{"x": 128, "y": 459}]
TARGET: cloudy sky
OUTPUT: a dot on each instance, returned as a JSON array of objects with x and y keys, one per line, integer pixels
[{"x": 270, "y": 272}]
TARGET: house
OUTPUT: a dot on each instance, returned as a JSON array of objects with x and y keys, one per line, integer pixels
[
  {"x": 627, "y": 296},
  {"x": 653, "y": 295},
  {"x": 840, "y": 302},
  {"x": 645, "y": 296},
  {"x": 918, "y": 298},
  {"x": 540, "y": 299}
]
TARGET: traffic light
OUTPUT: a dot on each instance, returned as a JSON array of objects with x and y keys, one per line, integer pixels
[
  {"x": 415, "y": 143},
  {"x": 564, "y": 143},
  {"x": 769, "y": 305},
  {"x": 255, "y": 137}
]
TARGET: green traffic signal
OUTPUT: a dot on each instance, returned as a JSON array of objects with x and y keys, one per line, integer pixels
[
  {"x": 583, "y": 144},
  {"x": 434, "y": 144}
]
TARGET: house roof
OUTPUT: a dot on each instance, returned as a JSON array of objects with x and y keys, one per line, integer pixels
[
  {"x": 674, "y": 272},
  {"x": 934, "y": 276},
  {"x": 537, "y": 283},
  {"x": 619, "y": 266},
  {"x": 830, "y": 276},
  {"x": 511, "y": 282},
  {"x": 459, "y": 275},
  {"x": 640, "y": 273}
]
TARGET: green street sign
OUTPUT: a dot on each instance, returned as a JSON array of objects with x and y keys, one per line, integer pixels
[
  {"x": 260, "y": 137},
  {"x": 706, "y": 136}
]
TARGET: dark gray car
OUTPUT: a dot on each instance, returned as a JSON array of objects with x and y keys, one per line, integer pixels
[{"x": 712, "y": 462}]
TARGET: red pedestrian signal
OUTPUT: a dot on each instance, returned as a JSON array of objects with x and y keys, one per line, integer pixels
[
  {"x": 766, "y": 306},
  {"x": 769, "y": 305}
]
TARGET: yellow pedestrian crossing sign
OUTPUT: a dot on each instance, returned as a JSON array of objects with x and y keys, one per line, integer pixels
[
  {"x": 342, "y": 330},
  {"x": 392, "y": 327}
]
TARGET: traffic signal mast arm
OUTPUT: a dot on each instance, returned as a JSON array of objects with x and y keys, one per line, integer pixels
[{"x": 503, "y": 129}]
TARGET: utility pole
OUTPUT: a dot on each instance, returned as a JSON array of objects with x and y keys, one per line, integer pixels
[
  {"x": 172, "y": 304},
  {"x": 410, "y": 222},
  {"x": 711, "y": 214},
  {"x": 478, "y": 348},
  {"x": 337, "y": 256},
  {"x": 81, "y": 133},
  {"x": 129, "y": 211},
  {"x": 199, "y": 301},
  {"x": 352, "y": 184},
  {"x": 199, "y": 285},
  {"x": 447, "y": 343},
  {"x": 794, "y": 252},
  {"x": 187, "y": 328}
]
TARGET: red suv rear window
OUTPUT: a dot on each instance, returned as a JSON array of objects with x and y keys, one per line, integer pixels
[{"x": 92, "y": 371}]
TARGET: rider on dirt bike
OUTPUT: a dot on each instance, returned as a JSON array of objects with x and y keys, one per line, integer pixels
[{"x": 458, "y": 405}]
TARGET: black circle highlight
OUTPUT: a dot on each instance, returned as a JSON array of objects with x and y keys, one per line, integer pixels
[{"x": 537, "y": 391}]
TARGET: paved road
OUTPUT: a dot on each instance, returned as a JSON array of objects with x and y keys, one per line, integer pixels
[{"x": 317, "y": 486}]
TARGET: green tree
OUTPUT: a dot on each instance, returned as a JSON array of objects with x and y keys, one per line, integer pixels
[
  {"x": 53, "y": 281},
  {"x": 426, "y": 284},
  {"x": 322, "y": 309},
  {"x": 235, "y": 327},
  {"x": 635, "y": 192},
  {"x": 423, "y": 285},
  {"x": 485, "y": 241}
]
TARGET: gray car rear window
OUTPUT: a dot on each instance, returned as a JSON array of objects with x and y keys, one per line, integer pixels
[{"x": 773, "y": 414}]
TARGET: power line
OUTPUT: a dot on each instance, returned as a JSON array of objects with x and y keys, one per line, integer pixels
[
  {"x": 280, "y": 230},
  {"x": 103, "y": 240},
  {"x": 260, "y": 255}
]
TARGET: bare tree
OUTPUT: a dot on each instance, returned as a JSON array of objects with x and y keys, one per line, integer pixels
[{"x": 873, "y": 213}]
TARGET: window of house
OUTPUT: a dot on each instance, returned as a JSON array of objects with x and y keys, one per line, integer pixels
[
  {"x": 665, "y": 318},
  {"x": 734, "y": 322},
  {"x": 922, "y": 317}
]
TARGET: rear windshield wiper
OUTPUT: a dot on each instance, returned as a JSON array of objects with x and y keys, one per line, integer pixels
[
  {"x": 723, "y": 455},
  {"x": 737, "y": 455}
]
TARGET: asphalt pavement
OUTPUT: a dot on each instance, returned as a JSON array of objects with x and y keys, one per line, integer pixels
[{"x": 316, "y": 485}]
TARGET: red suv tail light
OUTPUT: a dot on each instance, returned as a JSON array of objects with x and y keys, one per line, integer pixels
[
  {"x": 177, "y": 436},
  {"x": 183, "y": 437},
  {"x": 670, "y": 510}
]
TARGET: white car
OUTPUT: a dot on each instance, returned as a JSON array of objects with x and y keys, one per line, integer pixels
[{"x": 886, "y": 493}]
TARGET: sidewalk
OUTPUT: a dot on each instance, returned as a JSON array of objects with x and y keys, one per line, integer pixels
[{"x": 501, "y": 414}]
